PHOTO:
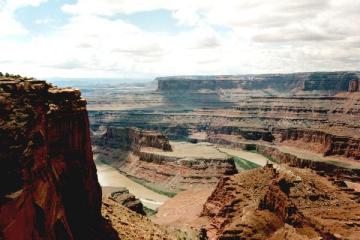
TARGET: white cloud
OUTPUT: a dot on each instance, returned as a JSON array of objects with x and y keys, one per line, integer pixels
[
  {"x": 12, "y": 5},
  {"x": 260, "y": 36},
  {"x": 8, "y": 25},
  {"x": 111, "y": 7}
]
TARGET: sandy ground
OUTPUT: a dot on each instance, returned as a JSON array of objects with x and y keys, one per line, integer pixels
[
  {"x": 353, "y": 185},
  {"x": 185, "y": 150},
  {"x": 184, "y": 209},
  {"x": 110, "y": 177}
]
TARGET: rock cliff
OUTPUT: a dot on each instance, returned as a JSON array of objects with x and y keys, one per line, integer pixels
[
  {"x": 125, "y": 198},
  {"x": 354, "y": 85},
  {"x": 132, "y": 139},
  {"x": 323, "y": 81},
  {"x": 148, "y": 156},
  {"x": 322, "y": 142},
  {"x": 49, "y": 187},
  {"x": 318, "y": 141},
  {"x": 281, "y": 203}
]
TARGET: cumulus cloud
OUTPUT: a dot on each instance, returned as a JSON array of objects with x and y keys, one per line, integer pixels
[
  {"x": 70, "y": 64},
  {"x": 247, "y": 36},
  {"x": 8, "y": 25}
]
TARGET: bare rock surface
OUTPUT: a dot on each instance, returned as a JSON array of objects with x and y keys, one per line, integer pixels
[
  {"x": 131, "y": 225},
  {"x": 125, "y": 198},
  {"x": 282, "y": 203},
  {"x": 148, "y": 156},
  {"x": 49, "y": 187}
]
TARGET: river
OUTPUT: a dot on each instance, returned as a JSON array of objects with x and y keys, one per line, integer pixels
[{"x": 110, "y": 177}]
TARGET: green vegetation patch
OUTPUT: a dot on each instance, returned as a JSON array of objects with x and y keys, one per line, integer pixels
[
  {"x": 250, "y": 148},
  {"x": 244, "y": 164},
  {"x": 149, "y": 212},
  {"x": 152, "y": 187}
]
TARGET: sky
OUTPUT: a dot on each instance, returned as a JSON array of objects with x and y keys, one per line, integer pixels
[{"x": 149, "y": 38}]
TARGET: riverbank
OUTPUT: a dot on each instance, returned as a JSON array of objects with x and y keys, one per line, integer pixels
[{"x": 110, "y": 177}]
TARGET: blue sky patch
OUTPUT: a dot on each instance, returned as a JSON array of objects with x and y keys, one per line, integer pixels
[{"x": 43, "y": 19}]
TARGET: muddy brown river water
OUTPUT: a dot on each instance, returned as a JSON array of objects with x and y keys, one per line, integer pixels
[{"x": 110, "y": 177}]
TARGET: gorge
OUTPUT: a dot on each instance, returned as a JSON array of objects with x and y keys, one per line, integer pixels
[{"x": 272, "y": 156}]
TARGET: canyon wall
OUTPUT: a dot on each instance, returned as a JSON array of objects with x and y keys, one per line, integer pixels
[
  {"x": 354, "y": 86},
  {"x": 323, "y": 81},
  {"x": 148, "y": 156},
  {"x": 316, "y": 141},
  {"x": 281, "y": 203},
  {"x": 49, "y": 187},
  {"x": 132, "y": 139},
  {"x": 321, "y": 142}
]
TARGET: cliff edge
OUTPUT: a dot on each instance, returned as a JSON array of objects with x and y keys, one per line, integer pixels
[
  {"x": 315, "y": 81},
  {"x": 49, "y": 187}
]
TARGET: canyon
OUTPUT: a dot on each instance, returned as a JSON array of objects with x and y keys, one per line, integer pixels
[
  {"x": 270, "y": 156},
  {"x": 49, "y": 184},
  {"x": 308, "y": 121}
]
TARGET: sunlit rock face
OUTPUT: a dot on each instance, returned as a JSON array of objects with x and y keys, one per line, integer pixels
[
  {"x": 128, "y": 200},
  {"x": 282, "y": 203},
  {"x": 49, "y": 187},
  {"x": 150, "y": 156}
]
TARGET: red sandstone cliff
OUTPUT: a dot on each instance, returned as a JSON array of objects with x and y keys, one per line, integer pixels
[
  {"x": 314, "y": 140},
  {"x": 49, "y": 187},
  {"x": 132, "y": 139},
  {"x": 282, "y": 203}
]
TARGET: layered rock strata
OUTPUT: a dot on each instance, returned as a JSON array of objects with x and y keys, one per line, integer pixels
[
  {"x": 131, "y": 225},
  {"x": 148, "y": 156},
  {"x": 49, "y": 187},
  {"x": 128, "y": 200},
  {"x": 334, "y": 81},
  {"x": 132, "y": 139},
  {"x": 282, "y": 203},
  {"x": 314, "y": 140},
  {"x": 316, "y": 121}
]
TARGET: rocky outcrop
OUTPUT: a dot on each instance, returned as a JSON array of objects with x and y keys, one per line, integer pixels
[
  {"x": 128, "y": 200},
  {"x": 354, "y": 85},
  {"x": 322, "y": 81},
  {"x": 312, "y": 140},
  {"x": 131, "y": 225},
  {"x": 177, "y": 172},
  {"x": 335, "y": 81},
  {"x": 149, "y": 157},
  {"x": 132, "y": 139},
  {"x": 340, "y": 170},
  {"x": 245, "y": 133},
  {"x": 281, "y": 203},
  {"x": 49, "y": 187},
  {"x": 322, "y": 142}
]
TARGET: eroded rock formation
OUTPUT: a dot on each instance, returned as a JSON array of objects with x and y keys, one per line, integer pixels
[
  {"x": 49, "y": 187},
  {"x": 148, "y": 156},
  {"x": 322, "y": 142},
  {"x": 282, "y": 203},
  {"x": 128, "y": 200},
  {"x": 354, "y": 85},
  {"x": 132, "y": 139},
  {"x": 131, "y": 225},
  {"x": 318, "y": 141},
  {"x": 333, "y": 81}
]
